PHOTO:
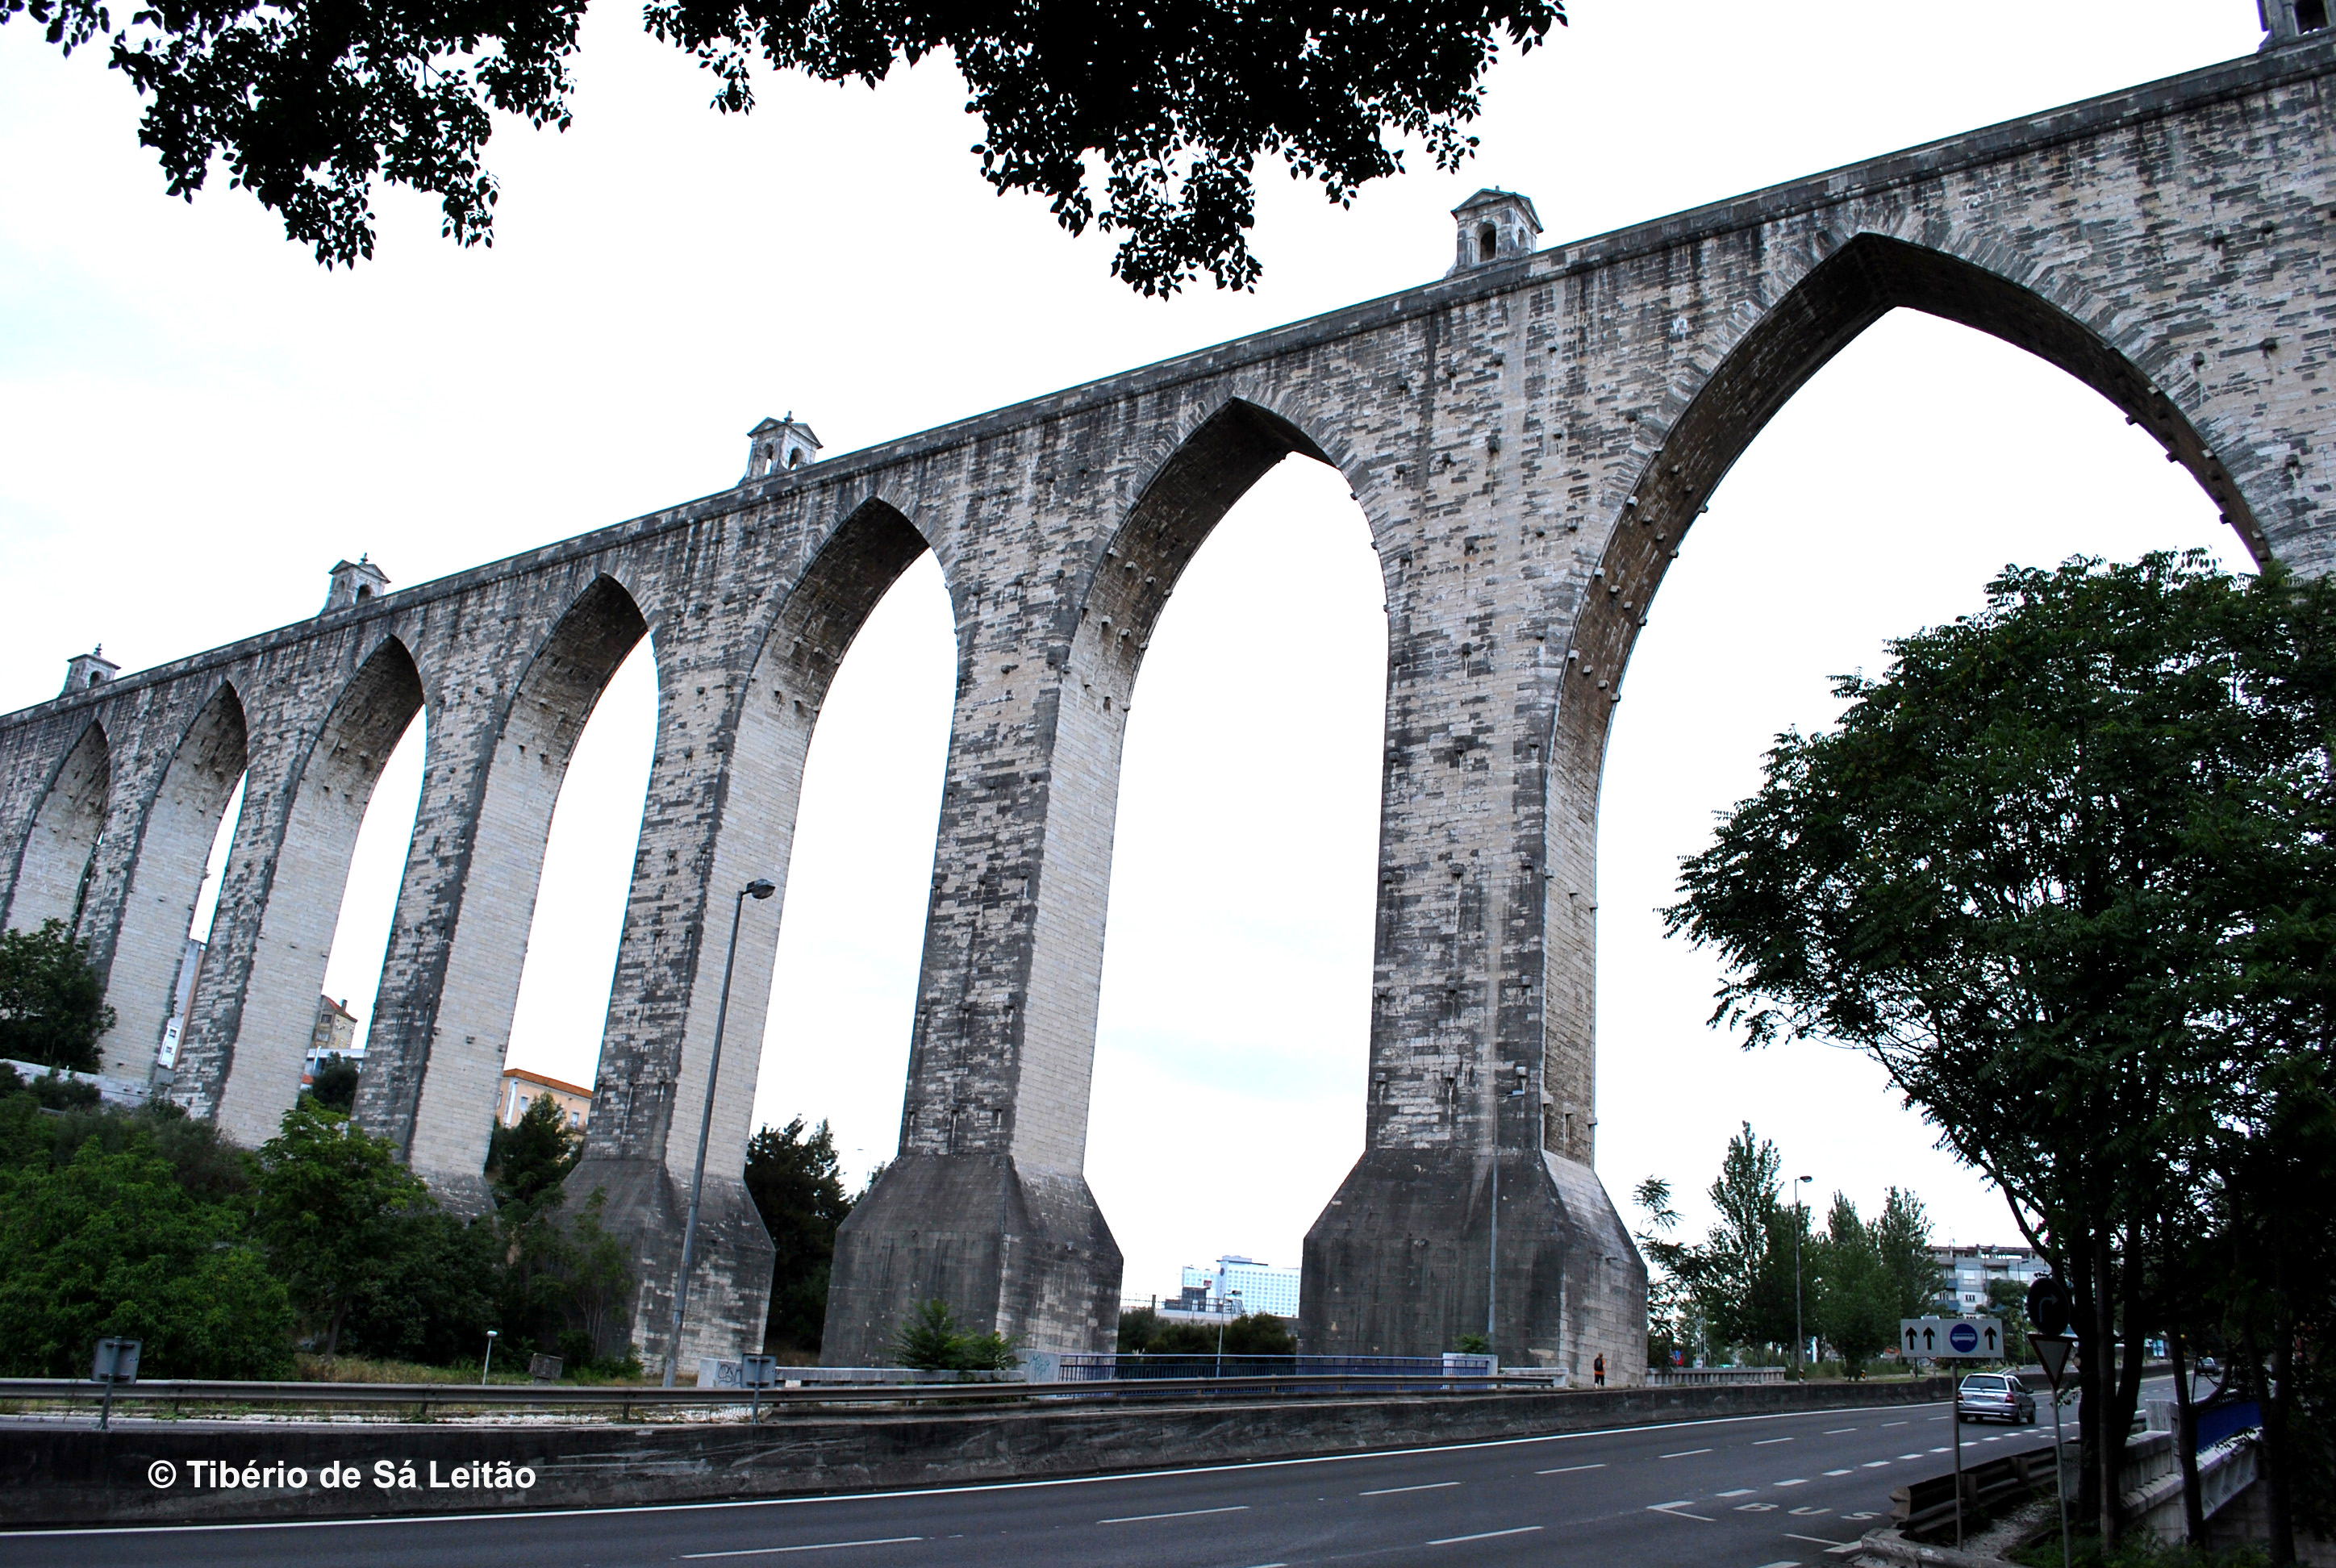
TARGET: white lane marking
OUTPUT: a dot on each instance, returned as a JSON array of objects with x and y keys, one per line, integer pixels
[
  {"x": 1873, "y": 1465},
  {"x": 1910, "y": 1456},
  {"x": 1840, "y": 1472},
  {"x": 1942, "y": 1448},
  {"x": 1739, "y": 1492},
  {"x": 1570, "y": 1469},
  {"x": 1764, "y": 1442},
  {"x": 833, "y": 1499},
  {"x": 1787, "y": 1563},
  {"x": 815, "y": 1546},
  {"x": 1756, "y": 1507},
  {"x": 1902, "y": 1423},
  {"x": 1483, "y": 1536},
  {"x": 1678, "y": 1510},
  {"x": 1838, "y": 1431},
  {"x": 1816, "y": 1539},
  {"x": 1809, "y": 1513},
  {"x": 1687, "y": 1453},
  {"x": 1423, "y": 1487},
  {"x": 1796, "y": 1481},
  {"x": 1180, "y": 1514}
]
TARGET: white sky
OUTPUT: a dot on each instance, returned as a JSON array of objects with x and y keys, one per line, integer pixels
[{"x": 196, "y": 420}]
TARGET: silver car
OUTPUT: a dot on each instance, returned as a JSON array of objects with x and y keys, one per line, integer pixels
[{"x": 1995, "y": 1397}]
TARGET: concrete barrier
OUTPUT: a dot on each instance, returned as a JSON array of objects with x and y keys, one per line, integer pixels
[{"x": 55, "y": 1474}]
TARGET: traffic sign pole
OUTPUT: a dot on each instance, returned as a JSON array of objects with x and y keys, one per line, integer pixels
[{"x": 1955, "y": 1419}]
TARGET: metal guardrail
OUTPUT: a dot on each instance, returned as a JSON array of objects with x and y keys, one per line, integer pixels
[
  {"x": 1924, "y": 1507},
  {"x": 425, "y": 1397},
  {"x": 1711, "y": 1377}
]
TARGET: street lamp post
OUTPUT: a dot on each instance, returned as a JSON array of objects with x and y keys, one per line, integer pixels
[
  {"x": 758, "y": 890},
  {"x": 1800, "y": 1223}
]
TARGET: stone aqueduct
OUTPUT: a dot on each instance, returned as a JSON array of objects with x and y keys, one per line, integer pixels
[{"x": 1530, "y": 439}]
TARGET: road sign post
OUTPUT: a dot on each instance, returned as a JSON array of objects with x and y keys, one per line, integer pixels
[
  {"x": 1954, "y": 1339},
  {"x": 2052, "y": 1355},
  {"x": 116, "y": 1362}
]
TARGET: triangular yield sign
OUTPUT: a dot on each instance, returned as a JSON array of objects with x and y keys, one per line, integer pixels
[{"x": 2052, "y": 1354}]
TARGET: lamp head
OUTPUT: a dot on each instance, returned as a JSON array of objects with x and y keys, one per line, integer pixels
[{"x": 759, "y": 889}]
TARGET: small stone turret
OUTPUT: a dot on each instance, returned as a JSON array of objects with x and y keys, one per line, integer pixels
[
  {"x": 777, "y": 445},
  {"x": 1496, "y": 225},
  {"x": 354, "y": 582},
  {"x": 85, "y": 670},
  {"x": 2283, "y": 20}
]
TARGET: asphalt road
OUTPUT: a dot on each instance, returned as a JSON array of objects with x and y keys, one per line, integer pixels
[{"x": 1757, "y": 1491}]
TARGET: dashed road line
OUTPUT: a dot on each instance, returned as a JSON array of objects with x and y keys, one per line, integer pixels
[
  {"x": 1816, "y": 1539},
  {"x": 1851, "y": 1471},
  {"x": 1570, "y": 1469},
  {"x": 1739, "y": 1492},
  {"x": 1838, "y": 1431},
  {"x": 1184, "y": 1513},
  {"x": 1483, "y": 1536},
  {"x": 814, "y": 1546},
  {"x": 1423, "y": 1487},
  {"x": 1875, "y": 1464},
  {"x": 1765, "y": 1442},
  {"x": 1796, "y": 1481},
  {"x": 1679, "y": 1510},
  {"x": 1687, "y": 1453}
]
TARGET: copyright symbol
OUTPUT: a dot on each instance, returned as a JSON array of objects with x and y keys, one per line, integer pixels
[{"x": 163, "y": 1474}]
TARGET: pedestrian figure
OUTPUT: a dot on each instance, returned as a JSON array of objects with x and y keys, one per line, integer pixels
[{"x": 1598, "y": 1371}]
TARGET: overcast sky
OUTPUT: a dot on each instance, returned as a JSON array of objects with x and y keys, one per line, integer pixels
[{"x": 196, "y": 420}]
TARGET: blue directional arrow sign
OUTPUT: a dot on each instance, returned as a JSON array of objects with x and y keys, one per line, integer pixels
[{"x": 1952, "y": 1338}]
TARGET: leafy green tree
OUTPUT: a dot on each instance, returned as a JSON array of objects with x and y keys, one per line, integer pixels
[
  {"x": 1169, "y": 107},
  {"x": 2042, "y": 872},
  {"x": 52, "y": 1007},
  {"x": 1902, "y": 1235},
  {"x": 532, "y": 1156},
  {"x": 1138, "y": 1328},
  {"x": 1671, "y": 1308},
  {"x": 1740, "y": 1279},
  {"x": 1259, "y": 1334},
  {"x": 333, "y": 1205},
  {"x": 1855, "y": 1298},
  {"x": 437, "y": 1298},
  {"x": 798, "y": 1189},
  {"x": 334, "y": 1084},
  {"x": 110, "y": 1243}
]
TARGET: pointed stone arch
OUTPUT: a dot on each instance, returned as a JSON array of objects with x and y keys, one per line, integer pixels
[
  {"x": 254, "y": 1008},
  {"x": 1852, "y": 288},
  {"x": 173, "y": 849},
  {"x": 448, "y": 1017},
  {"x": 760, "y": 790},
  {"x": 657, "y": 1045},
  {"x": 53, "y": 860}
]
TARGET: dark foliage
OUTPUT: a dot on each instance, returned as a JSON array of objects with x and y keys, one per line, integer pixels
[
  {"x": 334, "y": 1084},
  {"x": 532, "y": 1156},
  {"x": 929, "y": 1339},
  {"x": 52, "y": 1007},
  {"x": 308, "y": 102},
  {"x": 436, "y": 1299},
  {"x": 110, "y": 1244},
  {"x": 798, "y": 1189},
  {"x": 2065, "y": 872}
]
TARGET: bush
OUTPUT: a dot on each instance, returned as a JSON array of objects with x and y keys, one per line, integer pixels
[
  {"x": 929, "y": 1340},
  {"x": 111, "y": 1244}
]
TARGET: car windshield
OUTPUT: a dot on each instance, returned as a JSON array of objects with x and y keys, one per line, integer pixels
[{"x": 1984, "y": 1385}]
